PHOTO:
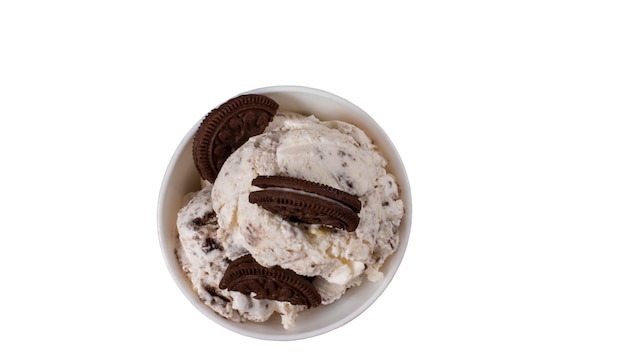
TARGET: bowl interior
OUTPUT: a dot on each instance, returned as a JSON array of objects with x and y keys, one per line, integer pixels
[{"x": 181, "y": 178}]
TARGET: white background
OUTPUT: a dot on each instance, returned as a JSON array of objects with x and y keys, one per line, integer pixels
[{"x": 509, "y": 115}]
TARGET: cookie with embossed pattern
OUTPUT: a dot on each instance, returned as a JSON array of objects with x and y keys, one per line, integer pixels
[
  {"x": 247, "y": 276},
  {"x": 226, "y": 128}
]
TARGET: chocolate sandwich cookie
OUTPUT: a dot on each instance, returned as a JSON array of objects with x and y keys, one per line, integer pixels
[
  {"x": 245, "y": 275},
  {"x": 226, "y": 128},
  {"x": 307, "y": 202}
]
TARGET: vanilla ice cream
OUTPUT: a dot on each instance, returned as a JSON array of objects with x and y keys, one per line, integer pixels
[{"x": 219, "y": 224}]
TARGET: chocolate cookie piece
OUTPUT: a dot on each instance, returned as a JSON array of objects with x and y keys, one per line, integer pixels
[
  {"x": 298, "y": 184},
  {"x": 308, "y": 202},
  {"x": 245, "y": 275},
  {"x": 226, "y": 128}
]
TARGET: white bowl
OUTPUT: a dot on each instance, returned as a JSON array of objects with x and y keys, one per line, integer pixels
[{"x": 181, "y": 178}]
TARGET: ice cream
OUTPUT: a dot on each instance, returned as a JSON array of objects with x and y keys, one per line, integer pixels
[{"x": 218, "y": 223}]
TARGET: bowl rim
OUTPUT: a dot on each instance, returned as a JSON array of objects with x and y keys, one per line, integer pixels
[{"x": 240, "y": 328}]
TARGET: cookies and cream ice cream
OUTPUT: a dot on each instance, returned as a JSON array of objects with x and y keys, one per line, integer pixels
[{"x": 219, "y": 224}]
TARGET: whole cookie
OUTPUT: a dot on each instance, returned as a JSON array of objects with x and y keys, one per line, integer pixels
[
  {"x": 308, "y": 202},
  {"x": 226, "y": 128}
]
